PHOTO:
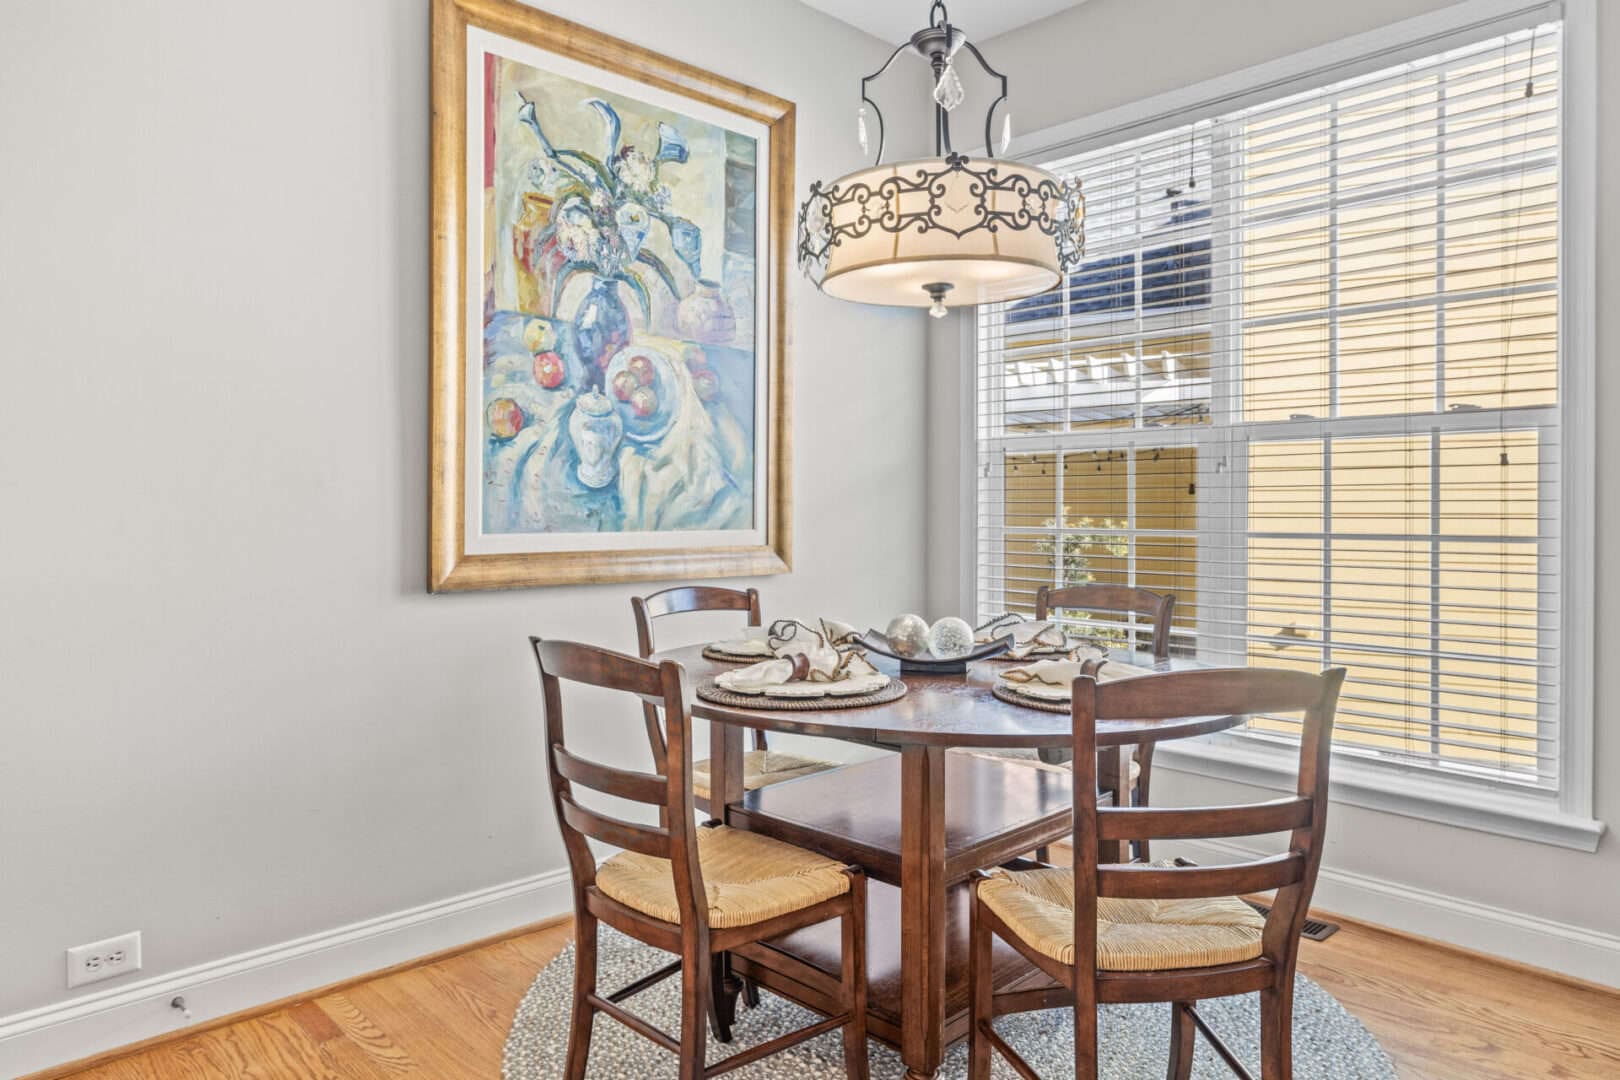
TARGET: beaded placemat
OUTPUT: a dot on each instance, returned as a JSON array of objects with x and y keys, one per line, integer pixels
[{"x": 714, "y": 693}]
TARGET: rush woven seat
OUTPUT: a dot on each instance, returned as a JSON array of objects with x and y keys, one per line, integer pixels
[
  {"x": 747, "y": 878},
  {"x": 1132, "y": 935},
  {"x": 761, "y": 768}
]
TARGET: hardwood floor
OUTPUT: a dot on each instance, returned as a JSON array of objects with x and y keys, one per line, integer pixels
[{"x": 1444, "y": 1015}]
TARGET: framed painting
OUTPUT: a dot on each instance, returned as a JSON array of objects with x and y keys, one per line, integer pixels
[{"x": 610, "y": 367}]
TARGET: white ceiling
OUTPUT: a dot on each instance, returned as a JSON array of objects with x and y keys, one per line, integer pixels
[{"x": 897, "y": 20}]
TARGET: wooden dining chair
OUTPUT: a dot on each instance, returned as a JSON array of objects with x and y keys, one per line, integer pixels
[
  {"x": 658, "y": 889},
  {"x": 1122, "y": 600},
  {"x": 1170, "y": 933},
  {"x": 762, "y": 766}
]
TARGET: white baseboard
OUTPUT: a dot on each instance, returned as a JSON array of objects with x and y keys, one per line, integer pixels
[
  {"x": 53, "y": 1034},
  {"x": 1571, "y": 950}
]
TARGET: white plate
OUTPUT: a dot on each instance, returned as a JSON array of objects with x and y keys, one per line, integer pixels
[
  {"x": 727, "y": 680},
  {"x": 1042, "y": 691},
  {"x": 744, "y": 647},
  {"x": 797, "y": 690},
  {"x": 858, "y": 684}
]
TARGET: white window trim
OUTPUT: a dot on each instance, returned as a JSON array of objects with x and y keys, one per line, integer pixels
[{"x": 1568, "y": 820}]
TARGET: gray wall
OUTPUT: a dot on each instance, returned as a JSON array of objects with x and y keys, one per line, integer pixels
[
  {"x": 1107, "y": 53},
  {"x": 230, "y": 715}
]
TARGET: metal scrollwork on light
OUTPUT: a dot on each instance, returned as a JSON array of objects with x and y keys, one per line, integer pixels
[
  {"x": 1055, "y": 207},
  {"x": 971, "y": 201}
]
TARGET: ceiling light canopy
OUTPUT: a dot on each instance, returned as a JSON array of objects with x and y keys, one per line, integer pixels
[{"x": 946, "y": 230}]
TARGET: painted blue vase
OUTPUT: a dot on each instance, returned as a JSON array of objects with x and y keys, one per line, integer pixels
[{"x": 601, "y": 328}]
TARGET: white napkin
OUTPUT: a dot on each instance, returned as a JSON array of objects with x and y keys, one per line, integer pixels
[
  {"x": 1053, "y": 680},
  {"x": 838, "y": 632},
  {"x": 1037, "y": 637},
  {"x": 1049, "y": 680},
  {"x": 1046, "y": 673},
  {"x": 754, "y": 678},
  {"x": 831, "y": 672},
  {"x": 1110, "y": 670}
]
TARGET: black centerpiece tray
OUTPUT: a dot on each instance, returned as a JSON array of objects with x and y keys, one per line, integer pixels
[{"x": 928, "y": 663}]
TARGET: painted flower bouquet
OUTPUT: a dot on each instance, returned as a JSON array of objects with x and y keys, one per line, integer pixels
[{"x": 605, "y": 208}]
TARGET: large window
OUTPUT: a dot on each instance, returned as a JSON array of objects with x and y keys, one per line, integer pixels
[{"x": 1308, "y": 380}]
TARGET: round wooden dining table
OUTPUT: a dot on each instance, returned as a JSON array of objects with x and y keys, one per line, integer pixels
[{"x": 938, "y": 713}]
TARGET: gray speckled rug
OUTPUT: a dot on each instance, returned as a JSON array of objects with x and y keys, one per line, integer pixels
[{"x": 1329, "y": 1043}]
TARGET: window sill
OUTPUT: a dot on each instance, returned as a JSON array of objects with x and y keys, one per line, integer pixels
[{"x": 1524, "y": 816}]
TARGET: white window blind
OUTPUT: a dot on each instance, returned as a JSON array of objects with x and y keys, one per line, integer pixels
[{"x": 1308, "y": 380}]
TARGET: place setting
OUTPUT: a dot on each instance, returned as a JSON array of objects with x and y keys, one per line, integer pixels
[
  {"x": 797, "y": 667},
  {"x": 1048, "y": 684},
  {"x": 1032, "y": 638}
]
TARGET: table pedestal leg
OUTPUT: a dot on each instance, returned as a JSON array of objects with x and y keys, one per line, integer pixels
[
  {"x": 725, "y": 768},
  {"x": 922, "y": 909},
  {"x": 725, "y": 790}
]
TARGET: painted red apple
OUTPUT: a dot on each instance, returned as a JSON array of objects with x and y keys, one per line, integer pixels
[
  {"x": 642, "y": 368},
  {"x": 505, "y": 418},
  {"x": 705, "y": 382},
  {"x": 624, "y": 384},
  {"x": 549, "y": 370},
  {"x": 643, "y": 402},
  {"x": 695, "y": 357}
]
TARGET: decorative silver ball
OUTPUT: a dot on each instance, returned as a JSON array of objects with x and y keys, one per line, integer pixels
[
  {"x": 908, "y": 635},
  {"x": 950, "y": 638}
]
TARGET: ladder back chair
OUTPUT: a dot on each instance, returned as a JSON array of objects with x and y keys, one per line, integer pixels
[
  {"x": 1164, "y": 933},
  {"x": 761, "y": 766},
  {"x": 656, "y": 889},
  {"x": 1120, "y": 600}
]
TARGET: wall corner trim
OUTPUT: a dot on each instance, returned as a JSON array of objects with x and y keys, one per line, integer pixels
[{"x": 90, "y": 1024}]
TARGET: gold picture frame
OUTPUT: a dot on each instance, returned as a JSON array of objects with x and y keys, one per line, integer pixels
[{"x": 453, "y": 567}]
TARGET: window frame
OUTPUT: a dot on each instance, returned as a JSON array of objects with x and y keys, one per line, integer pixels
[{"x": 1564, "y": 817}]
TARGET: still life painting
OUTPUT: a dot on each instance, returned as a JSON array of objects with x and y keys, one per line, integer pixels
[{"x": 619, "y": 361}]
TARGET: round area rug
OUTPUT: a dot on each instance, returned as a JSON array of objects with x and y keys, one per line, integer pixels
[{"x": 1329, "y": 1043}]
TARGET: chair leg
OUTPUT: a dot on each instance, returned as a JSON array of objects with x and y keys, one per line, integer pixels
[
  {"x": 1182, "y": 1036},
  {"x": 750, "y": 993},
  {"x": 696, "y": 999},
  {"x": 579, "y": 1029},
  {"x": 854, "y": 979},
  {"x": 981, "y": 991},
  {"x": 1277, "y": 1030},
  {"x": 1085, "y": 1031},
  {"x": 722, "y": 1003},
  {"x": 1144, "y": 758},
  {"x": 1043, "y": 854}
]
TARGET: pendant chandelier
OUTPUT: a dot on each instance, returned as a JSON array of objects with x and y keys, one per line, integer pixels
[{"x": 945, "y": 230}]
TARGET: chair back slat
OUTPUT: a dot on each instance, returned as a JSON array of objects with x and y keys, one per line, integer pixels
[
  {"x": 681, "y": 600},
  {"x": 689, "y": 598},
  {"x": 592, "y": 666},
  {"x": 1250, "y": 819},
  {"x": 662, "y": 685},
  {"x": 1119, "y": 599},
  {"x": 1186, "y": 882},
  {"x": 625, "y": 783},
  {"x": 1207, "y": 692},
  {"x": 646, "y": 839}
]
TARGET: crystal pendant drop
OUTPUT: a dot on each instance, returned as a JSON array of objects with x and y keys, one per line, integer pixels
[
  {"x": 948, "y": 92},
  {"x": 1006, "y": 133},
  {"x": 860, "y": 130}
]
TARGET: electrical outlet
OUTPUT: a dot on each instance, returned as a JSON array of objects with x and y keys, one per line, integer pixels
[{"x": 104, "y": 959}]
